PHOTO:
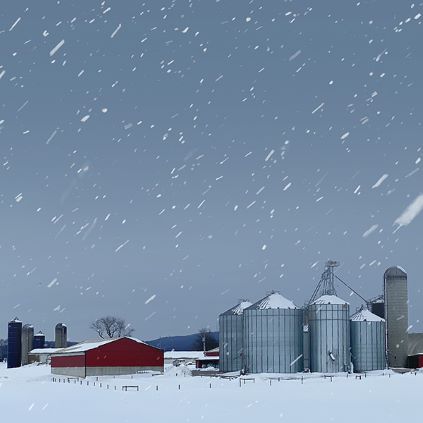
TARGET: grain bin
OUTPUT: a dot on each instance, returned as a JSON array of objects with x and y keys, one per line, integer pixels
[
  {"x": 231, "y": 342},
  {"x": 329, "y": 326},
  {"x": 367, "y": 341},
  {"x": 273, "y": 333}
]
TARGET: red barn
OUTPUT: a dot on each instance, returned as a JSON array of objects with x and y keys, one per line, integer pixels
[{"x": 109, "y": 357}]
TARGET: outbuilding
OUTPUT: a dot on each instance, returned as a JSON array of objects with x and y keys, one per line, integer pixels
[
  {"x": 118, "y": 356},
  {"x": 208, "y": 359},
  {"x": 42, "y": 355}
]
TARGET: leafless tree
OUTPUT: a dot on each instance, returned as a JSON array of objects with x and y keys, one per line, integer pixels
[
  {"x": 205, "y": 340},
  {"x": 111, "y": 327}
]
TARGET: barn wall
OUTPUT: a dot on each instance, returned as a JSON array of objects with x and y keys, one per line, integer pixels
[
  {"x": 117, "y": 370},
  {"x": 69, "y": 371},
  {"x": 125, "y": 353},
  {"x": 76, "y": 360}
]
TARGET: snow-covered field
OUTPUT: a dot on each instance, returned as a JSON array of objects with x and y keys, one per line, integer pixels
[{"x": 29, "y": 393}]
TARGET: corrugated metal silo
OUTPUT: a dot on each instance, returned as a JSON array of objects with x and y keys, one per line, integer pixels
[
  {"x": 231, "y": 342},
  {"x": 367, "y": 341},
  {"x": 14, "y": 343},
  {"x": 273, "y": 332},
  {"x": 39, "y": 340},
  {"x": 27, "y": 342},
  {"x": 329, "y": 325},
  {"x": 396, "y": 316},
  {"x": 60, "y": 336}
]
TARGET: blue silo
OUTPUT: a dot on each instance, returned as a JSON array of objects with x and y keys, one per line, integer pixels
[
  {"x": 14, "y": 343},
  {"x": 39, "y": 341}
]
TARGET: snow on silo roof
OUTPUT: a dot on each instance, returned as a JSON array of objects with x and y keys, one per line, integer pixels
[
  {"x": 395, "y": 271},
  {"x": 239, "y": 308},
  {"x": 365, "y": 315},
  {"x": 274, "y": 301},
  {"x": 330, "y": 299}
]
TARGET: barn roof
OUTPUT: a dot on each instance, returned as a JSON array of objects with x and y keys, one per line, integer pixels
[
  {"x": 91, "y": 345},
  {"x": 45, "y": 350}
]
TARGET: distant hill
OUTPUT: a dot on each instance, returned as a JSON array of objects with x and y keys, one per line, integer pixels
[{"x": 182, "y": 343}]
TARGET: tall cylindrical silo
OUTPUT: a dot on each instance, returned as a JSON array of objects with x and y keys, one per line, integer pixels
[
  {"x": 231, "y": 342},
  {"x": 329, "y": 326},
  {"x": 367, "y": 341},
  {"x": 39, "y": 340},
  {"x": 60, "y": 336},
  {"x": 273, "y": 333},
  {"x": 14, "y": 343},
  {"x": 396, "y": 316},
  {"x": 27, "y": 342}
]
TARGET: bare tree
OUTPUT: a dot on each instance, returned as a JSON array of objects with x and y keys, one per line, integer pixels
[
  {"x": 205, "y": 340},
  {"x": 111, "y": 327}
]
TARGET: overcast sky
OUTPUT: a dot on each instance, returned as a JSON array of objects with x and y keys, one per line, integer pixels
[{"x": 162, "y": 159}]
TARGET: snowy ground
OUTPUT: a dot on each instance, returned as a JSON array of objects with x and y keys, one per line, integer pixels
[{"x": 29, "y": 393}]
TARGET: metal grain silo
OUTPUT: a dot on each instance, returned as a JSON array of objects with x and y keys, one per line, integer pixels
[
  {"x": 39, "y": 340},
  {"x": 367, "y": 341},
  {"x": 27, "y": 342},
  {"x": 329, "y": 326},
  {"x": 396, "y": 316},
  {"x": 60, "y": 336},
  {"x": 231, "y": 342},
  {"x": 273, "y": 333},
  {"x": 14, "y": 343}
]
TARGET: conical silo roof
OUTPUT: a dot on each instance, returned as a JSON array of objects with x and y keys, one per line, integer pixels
[
  {"x": 329, "y": 299},
  {"x": 273, "y": 301},
  {"x": 365, "y": 315},
  {"x": 395, "y": 272},
  {"x": 238, "y": 309}
]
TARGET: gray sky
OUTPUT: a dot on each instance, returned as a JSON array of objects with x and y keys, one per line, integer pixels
[{"x": 162, "y": 159}]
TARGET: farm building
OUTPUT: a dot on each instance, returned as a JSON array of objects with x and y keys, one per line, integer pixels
[
  {"x": 108, "y": 357},
  {"x": 42, "y": 355},
  {"x": 178, "y": 358},
  {"x": 208, "y": 359}
]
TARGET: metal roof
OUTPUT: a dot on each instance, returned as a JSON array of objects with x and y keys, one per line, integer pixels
[
  {"x": 273, "y": 301},
  {"x": 90, "y": 345},
  {"x": 329, "y": 299},
  {"x": 45, "y": 350},
  {"x": 365, "y": 315},
  {"x": 238, "y": 309},
  {"x": 395, "y": 272}
]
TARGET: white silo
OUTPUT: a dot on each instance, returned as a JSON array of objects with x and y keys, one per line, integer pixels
[{"x": 396, "y": 315}]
